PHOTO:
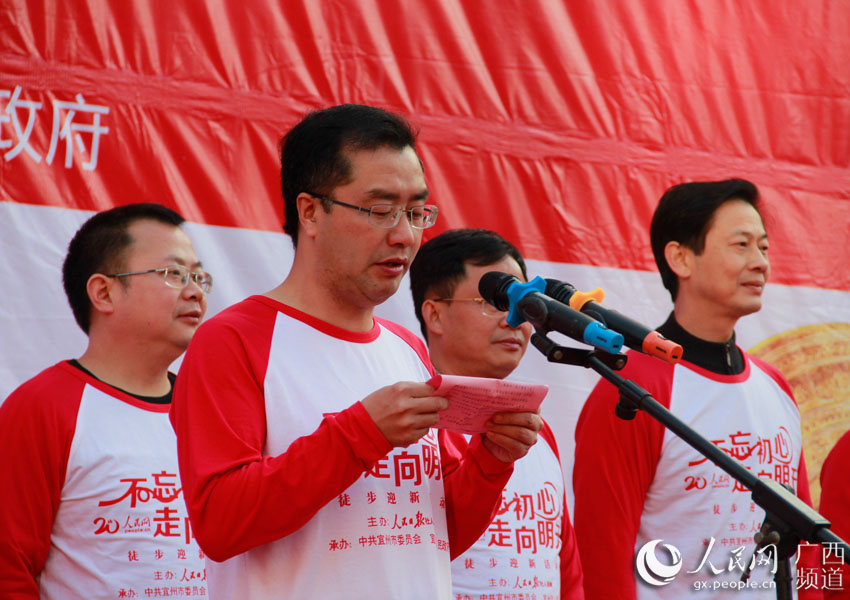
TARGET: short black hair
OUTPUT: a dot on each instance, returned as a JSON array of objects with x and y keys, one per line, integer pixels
[
  {"x": 440, "y": 264},
  {"x": 99, "y": 247},
  {"x": 685, "y": 214},
  {"x": 313, "y": 153}
]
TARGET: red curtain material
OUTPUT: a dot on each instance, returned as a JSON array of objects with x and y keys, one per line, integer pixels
[{"x": 558, "y": 124}]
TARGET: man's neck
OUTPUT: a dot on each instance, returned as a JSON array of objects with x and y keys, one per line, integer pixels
[
  {"x": 445, "y": 366},
  {"x": 303, "y": 293},
  {"x": 440, "y": 365},
  {"x": 164, "y": 399},
  {"x": 704, "y": 323},
  {"x": 142, "y": 374}
]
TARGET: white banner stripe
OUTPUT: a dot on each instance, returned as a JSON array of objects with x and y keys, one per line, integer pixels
[{"x": 37, "y": 328}]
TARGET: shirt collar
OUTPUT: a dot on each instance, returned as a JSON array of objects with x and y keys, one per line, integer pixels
[{"x": 724, "y": 358}]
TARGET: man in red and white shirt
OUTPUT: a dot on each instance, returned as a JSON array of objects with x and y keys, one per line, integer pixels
[
  {"x": 530, "y": 547},
  {"x": 304, "y": 426},
  {"x": 654, "y": 518},
  {"x": 92, "y": 505}
]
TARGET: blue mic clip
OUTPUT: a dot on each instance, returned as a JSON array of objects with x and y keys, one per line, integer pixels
[{"x": 516, "y": 292}]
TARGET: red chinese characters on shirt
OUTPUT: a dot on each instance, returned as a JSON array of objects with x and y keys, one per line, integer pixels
[
  {"x": 397, "y": 519},
  {"x": 773, "y": 458},
  {"x": 411, "y": 468},
  {"x": 165, "y": 521},
  {"x": 164, "y": 490},
  {"x": 536, "y": 522}
]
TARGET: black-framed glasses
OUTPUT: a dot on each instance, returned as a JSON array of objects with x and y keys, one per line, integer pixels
[
  {"x": 388, "y": 215},
  {"x": 177, "y": 276},
  {"x": 487, "y": 309}
]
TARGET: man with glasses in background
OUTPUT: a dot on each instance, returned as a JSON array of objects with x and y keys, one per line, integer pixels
[
  {"x": 530, "y": 545},
  {"x": 304, "y": 426},
  {"x": 91, "y": 504}
]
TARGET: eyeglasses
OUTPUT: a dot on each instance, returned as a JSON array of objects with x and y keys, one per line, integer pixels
[
  {"x": 388, "y": 215},
  {"x": 487, "y": 309},
  {"x": 177, "y": 276}
]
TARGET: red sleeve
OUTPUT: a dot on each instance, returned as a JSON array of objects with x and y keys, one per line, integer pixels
[
  {"x": 572, "y": 575},
  {"x": 572, "y": 579},
  {"x": 615, "y": 463},
  {"x": 473, "y": 480},
  {"x": 232, "y": 491},
  {"x": 835, "y": 506},
  {"x": 37, "y": 424}
]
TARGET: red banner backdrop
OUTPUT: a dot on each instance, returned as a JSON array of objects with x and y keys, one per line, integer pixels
[{"x": 558, "y": 124}]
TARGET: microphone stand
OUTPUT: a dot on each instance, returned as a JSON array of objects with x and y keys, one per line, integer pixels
[{"x": 787, "y": 521}]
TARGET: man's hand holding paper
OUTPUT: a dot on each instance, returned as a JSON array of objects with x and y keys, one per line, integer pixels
[{"x": 506, "y": 412}]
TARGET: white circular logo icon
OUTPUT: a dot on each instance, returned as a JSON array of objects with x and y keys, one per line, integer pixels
[{"x": 653, "y": 571}]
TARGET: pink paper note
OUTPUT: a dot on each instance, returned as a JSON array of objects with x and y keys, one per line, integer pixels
[{"x": 473, "y": 400}]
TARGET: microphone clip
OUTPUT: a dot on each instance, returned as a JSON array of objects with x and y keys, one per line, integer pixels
[
  {"x": 574, "y": 356},
  {"x": 517, "y": 292}
]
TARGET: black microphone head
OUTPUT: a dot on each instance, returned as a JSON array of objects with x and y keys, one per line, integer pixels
[
  {"x": 493, "y": 287},
  {"x": 559, "y": 290}
]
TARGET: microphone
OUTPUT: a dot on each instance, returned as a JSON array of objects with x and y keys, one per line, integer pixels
[
  {"x": 636, "y": 336},
  {"x": 526, "y": 302}
]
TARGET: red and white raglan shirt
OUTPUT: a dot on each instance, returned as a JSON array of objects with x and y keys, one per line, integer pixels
[
  {"x": 635, "y": 481},
  {"x": 91, "y": 504},
  {"x": 835, "y": 506},
  {"x": 292, "y": 489},
  {"x": 529, "y": 550}
]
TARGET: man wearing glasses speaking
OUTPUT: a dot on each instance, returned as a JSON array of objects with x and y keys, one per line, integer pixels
[
  {"x": 305, "y": 440},
  {"x": 92, "y": 504}
]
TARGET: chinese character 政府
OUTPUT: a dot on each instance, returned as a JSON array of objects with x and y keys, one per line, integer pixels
[
  {"x": 69, "y": 131},
  {"x": 67, "y": 128},
  {"x": 10, "y": 115}
]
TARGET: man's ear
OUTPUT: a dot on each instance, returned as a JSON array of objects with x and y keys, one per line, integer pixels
[
  {"x": 308, "y": 207},
  {"x": 432, "y": 316},
  {"x": 100, "y": 291},
  {"x": 679, "y": 258}
]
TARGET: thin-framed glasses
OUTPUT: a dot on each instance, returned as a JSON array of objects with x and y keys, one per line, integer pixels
[
  {"x": 177, "y": 276},
  {"x": 487, "y": 309},
  {"x": 388, "y": 215}
]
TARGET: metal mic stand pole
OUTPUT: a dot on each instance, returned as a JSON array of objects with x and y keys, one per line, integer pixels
[{"x": 787, "y": 521}]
